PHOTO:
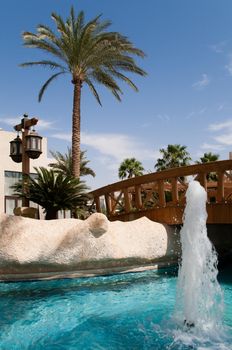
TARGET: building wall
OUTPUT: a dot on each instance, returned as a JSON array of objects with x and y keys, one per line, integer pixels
[{"x": 7, "y": 164}]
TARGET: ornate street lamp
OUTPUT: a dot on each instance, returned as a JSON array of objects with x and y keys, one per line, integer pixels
[{"x": 30, "y": 146}]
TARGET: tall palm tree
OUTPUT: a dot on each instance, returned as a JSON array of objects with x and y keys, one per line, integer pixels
[
  {"x": 63, "y": 163},
  {"x": 53, "y": 191},
  {"x": 172, "y": 157},
  {"x": 130, "y": 167},
  {"x": 91, "y": 54}
]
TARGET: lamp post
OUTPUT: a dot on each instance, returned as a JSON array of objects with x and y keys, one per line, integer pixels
[{"x": 22, "y": 149}]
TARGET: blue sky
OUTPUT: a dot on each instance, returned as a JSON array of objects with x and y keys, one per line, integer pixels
[{"x": 186, "y": 97}]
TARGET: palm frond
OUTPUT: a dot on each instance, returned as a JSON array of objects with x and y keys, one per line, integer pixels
[
  {"x": 93, "y": 90},
  {"x": 44, "y": 63},
  {"x": 63, "y": 163},
  {"x": 54, "y": 191},
  {"x": 45, "y": 85}
]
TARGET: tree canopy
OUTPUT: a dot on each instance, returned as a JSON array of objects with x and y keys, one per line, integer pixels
[
  {"x": 130, "y": 167},
  {"x": 53, "y": 191},
  {"x": 173, "y": 156},
  {"x": 208, "y": 157},
  {"x": 63, "y": 163},
  {"x": 91, "y": 54}
]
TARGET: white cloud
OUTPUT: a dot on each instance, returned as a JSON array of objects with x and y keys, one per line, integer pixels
[
  {"x": 145, "y": 125},
  {"x": 60, "y": 136},
  {"x": 190, "y": 115},
  {"x": 212, "y": 147},
  {"x": 203, "y": 110},
  {"x": 164, "y": 117},
  {"x": 225, "y": 139},
  {"x": 42, "y": 124},
  {"x": 118, "y": 146},
  {"x": 10, "y": 121},
  {"x": 228, "y": 67},
  {"x": 220, "y": 126},
  {"x": 219, "y": 47},
  {"x": 202, "y": 83},
  {"x": 113, "y": 146},
  {"x": 221, "y": 107},
  {"x": 195, "y": 114}
]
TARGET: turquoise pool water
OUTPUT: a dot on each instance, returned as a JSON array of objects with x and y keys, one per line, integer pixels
[{"x": 129, "y": 311}]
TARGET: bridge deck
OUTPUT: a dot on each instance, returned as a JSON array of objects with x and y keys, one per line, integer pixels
[{"x": 160, "y": 196}]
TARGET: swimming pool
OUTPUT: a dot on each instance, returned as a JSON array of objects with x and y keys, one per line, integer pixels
[{"x": 128, "y": 311}]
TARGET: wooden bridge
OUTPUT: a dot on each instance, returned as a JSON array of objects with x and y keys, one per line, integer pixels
[{"x": 160, "y": 196}]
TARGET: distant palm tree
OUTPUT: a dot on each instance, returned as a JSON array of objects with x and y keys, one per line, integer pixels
[
  {"x": 53, "y": 191},
  {"x": 172, "y": 157},
  {"x": 63, "y": 163},
  {"x": 91, "y": 55},
  {"x": 130, "y": 167},
  {"x": 209, "y": 157}
]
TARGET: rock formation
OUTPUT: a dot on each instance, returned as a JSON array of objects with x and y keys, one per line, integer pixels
[{"x": 31, "y": 248}]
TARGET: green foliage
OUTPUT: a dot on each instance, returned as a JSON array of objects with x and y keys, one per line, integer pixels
[
  {"x": 209, "y": 157},
  {"x": 63, "y": 163},
  {"x": 172, "y": 157},
  {"x": 86, "y": 50},
  {"x": 53, "y": 191},
  {"x": 130, "y": 167}
]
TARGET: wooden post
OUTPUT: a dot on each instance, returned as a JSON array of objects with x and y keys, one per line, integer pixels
[
  {"x": 175, "y": 195},
  {"x": 98, "y": 205},
  {"x": 127, "y": 200},
  {"x": 203, "y": 181},
  {"x": 162, "y": 201},
  {"x": 113, "y": 202},
  {"x": 220, "y": 188},
  {"x": 138, "y": 197},
  {"x": 108, "y": 203},
  {"x": 25, "y": 167}
]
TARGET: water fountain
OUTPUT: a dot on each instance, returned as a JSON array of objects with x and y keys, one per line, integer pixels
[{"x": 199, "y": 298}]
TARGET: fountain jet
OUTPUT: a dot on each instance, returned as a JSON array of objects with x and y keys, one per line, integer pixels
[{"x": 199, "y": 303}]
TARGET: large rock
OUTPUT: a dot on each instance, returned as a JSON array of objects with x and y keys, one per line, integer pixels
[{"x": 32, "y": 248}]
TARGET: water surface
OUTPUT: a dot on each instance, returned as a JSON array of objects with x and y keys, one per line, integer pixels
[{"x": 128, "y": 311}]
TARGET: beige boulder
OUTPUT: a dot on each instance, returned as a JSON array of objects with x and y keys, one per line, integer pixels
[{"x": 32, "y": 248}]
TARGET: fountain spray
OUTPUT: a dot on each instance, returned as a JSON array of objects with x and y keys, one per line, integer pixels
[{"x": 199, "y": 303}]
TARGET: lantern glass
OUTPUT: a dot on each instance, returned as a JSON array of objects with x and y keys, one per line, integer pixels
[
  {"x": 33, "y": 145},
  {"x": 16, "y": 150}
]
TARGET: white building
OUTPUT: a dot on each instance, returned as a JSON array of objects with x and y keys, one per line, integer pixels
[{"x": 10, "y": 172}]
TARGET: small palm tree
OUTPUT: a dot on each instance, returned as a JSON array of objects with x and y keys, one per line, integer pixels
[
  {"x": 53, "y": 191},
  {"x": 130, "y": 167},
  {"x": 209, "y": 157},
  {"x": 90, "y": 54},
  {"x": 63, "y": 163},
  {"x": 172, "y": 157}
]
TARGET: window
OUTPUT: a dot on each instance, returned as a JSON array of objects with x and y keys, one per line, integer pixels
[
  {"x": 12, "y": 201},
  {"x": 11, "y": 178}
]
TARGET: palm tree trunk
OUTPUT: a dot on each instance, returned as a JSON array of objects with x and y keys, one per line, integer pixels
[{"x": 76, "y": 129}]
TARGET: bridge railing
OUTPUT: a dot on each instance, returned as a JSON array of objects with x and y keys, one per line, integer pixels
[{"x": 162, "y": 189}]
